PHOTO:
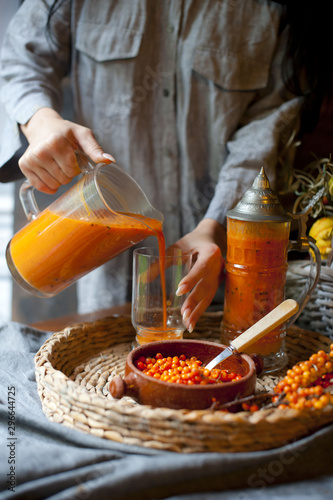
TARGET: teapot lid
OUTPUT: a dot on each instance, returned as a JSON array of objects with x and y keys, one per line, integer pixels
[{"x": 259, "y": 203}]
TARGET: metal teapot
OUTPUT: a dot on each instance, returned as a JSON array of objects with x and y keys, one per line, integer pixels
[{"x": 258, "y": 231}]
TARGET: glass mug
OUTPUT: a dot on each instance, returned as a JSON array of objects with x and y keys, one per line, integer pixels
[
  {"x": 156, "y": 309},
  {"x": 103, "y": 214}
]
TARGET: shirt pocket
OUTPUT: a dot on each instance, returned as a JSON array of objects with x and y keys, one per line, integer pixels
[
  {"x": 110, "y": 57},
  {"x": 230, "y": 71},
  {"x": 103, "y": 43}
]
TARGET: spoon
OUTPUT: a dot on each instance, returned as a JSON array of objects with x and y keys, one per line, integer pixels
[{"x": 266, "y": 324}]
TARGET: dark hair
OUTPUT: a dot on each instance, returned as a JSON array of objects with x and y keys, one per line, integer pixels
[
  {"x": 307, "y": 68},
  {"x": 52, "y": 10}
]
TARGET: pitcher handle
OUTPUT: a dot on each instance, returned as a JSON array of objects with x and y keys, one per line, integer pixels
[
  {"x": 28, "y": 200},
  {"x": 27, "y": 195}
]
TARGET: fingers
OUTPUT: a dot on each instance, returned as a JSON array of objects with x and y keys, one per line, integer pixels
[
  {"x": 207, "y": 261},
  {"x": 60, "y": 155},
  {"x": 197, "y": 302},
  {"x": 48, "y": 167},
  {"x": 202, "y": 281},
  {"x": 50, "y": 159}
]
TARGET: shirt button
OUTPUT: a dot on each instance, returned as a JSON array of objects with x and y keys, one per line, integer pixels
[
  {"x": 170, "y": 28},
  {"x": 166, "y": 92}
]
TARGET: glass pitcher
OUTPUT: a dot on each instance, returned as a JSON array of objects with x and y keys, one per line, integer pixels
[
  {"x": 103, "y": 214},
  {"x": 258, "y": 244}
]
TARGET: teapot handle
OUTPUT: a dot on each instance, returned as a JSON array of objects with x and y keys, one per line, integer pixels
[
  {"x": 305, "y": 243},
  {"x": 313, "y": 278},
  {"x": 27, "y": 195}
]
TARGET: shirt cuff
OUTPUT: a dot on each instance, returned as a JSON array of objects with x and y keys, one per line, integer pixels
[{"x": 10, "y": 141}]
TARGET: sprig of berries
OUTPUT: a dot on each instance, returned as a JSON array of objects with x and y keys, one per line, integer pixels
[{"x": 308, "y": 384}]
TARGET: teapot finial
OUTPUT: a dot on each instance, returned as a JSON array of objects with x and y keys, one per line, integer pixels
[
  {"x": 259, "y": 203},
  {"x": 261, "y": 181}
]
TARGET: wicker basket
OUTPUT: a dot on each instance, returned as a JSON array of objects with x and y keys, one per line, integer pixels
[
  {"x": 74, "y": 368},
  {"x": 318, "y": 313}
]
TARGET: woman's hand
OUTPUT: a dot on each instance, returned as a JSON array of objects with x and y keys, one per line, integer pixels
[
  {"x": 206, "y": 242},
  {"x": 49, "y": 160}
]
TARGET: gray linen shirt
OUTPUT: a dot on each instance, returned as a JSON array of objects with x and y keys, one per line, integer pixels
[{"x": 186, "y": 94}]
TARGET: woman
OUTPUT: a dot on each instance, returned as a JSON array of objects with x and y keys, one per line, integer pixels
[{"x": 189, "y": 97}]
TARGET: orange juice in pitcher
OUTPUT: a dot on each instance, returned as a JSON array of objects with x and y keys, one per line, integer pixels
[{"x": 103, "y": 214}]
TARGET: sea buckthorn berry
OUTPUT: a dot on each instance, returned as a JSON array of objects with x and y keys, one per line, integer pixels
[
  {"x": 182, "y": 370},
  {"x": 140, "y": 365},
  {"x": 304, "y": 385},
  {"x": 254, "y": 408}
]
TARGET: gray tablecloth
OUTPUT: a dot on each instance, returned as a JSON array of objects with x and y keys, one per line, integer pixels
[{"x": 40, "y": 459}]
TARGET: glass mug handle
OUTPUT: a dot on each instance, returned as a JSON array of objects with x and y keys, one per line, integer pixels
[
  {"x": 26, "y": 193},
  {"x": 304, "y": 244}
]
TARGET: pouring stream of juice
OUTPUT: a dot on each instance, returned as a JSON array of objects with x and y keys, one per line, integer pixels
[{"x": 161, "y": 248}]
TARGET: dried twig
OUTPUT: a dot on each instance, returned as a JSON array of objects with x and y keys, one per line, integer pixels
[{"x": 255, "y": 397}]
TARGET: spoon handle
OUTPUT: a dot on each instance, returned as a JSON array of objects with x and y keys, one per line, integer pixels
[{"x": 266, "y": 324}]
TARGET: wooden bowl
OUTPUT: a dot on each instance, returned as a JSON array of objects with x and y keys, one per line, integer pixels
[{"x": 150, "y": 391}]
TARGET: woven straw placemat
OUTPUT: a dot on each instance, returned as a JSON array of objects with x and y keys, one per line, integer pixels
[
  {"x": 318, "y": 312},
  {"x": 75, "y": 366}
]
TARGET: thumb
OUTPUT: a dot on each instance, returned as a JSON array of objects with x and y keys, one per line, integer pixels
[
  {"x": 98, "y": 156},
  {"x": 90, "y": 146}
]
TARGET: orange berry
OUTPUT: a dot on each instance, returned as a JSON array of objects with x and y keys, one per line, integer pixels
[
  {"x": 254, "y": 408},
  {"x": 182, "y": 370}
]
